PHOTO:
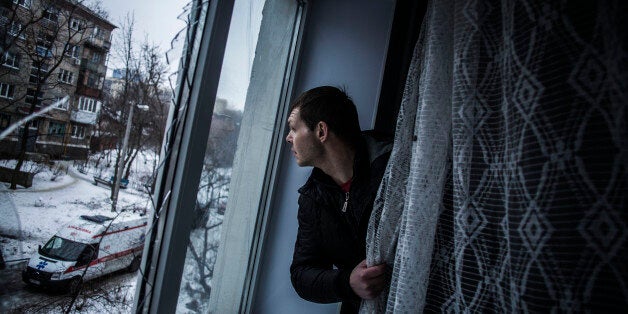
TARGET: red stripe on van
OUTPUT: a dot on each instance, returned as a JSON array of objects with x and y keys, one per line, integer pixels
[
  {"x": 106, "y": 258},
  {"x": 117, "y": 231}
]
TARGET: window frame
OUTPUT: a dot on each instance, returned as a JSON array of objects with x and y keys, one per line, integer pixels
[
  {"x": 66, "y": 76},
  {"x": 56, "y": 128},
  {"x": 50, "y": 14},
  {"x": 13, "y": 57},
  {"x": 182, "y": 156},
  {"x": 239, "y": 257},
  {"x": 78, "y": 131},
  {"x": 73, "y": 51},
  {"x": 76, "y": 24},
  {"x": 7, "y": 91},
  {"x": 87, "y": 104},
  {"x": 30, "y": 97},
  {"x": 5, "y": 121},
  {"x": 175, "y": 191},
  {"x": 63, "y": 106}
]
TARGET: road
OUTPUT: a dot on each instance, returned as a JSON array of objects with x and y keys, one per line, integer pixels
[
  {"x": 108, "y": 294},
  {"x": 35, "y": 224}
]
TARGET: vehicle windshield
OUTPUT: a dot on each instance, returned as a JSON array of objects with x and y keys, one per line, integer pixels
[{"x": 63, "y": 249}]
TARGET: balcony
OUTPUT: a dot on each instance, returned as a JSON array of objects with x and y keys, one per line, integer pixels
[
  {"x": 85, "y": 117},
  {"x": 98, "y": 43},
  {"x": 86, "y": 90},
  {"x": 96, "y": 67}
]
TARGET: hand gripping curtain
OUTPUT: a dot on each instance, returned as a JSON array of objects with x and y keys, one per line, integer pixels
[{"x": 507, "y": 186}]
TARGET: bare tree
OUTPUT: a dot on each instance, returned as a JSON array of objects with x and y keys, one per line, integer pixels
[
  {"x": 143, "y": 74},
  {"x": 205, "y": 236}
]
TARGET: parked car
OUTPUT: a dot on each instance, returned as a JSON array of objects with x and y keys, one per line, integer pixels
[{"x": 87, "y": 248}]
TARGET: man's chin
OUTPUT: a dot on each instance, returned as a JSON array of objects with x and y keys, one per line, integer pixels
[{"x": 302, "y": 163}]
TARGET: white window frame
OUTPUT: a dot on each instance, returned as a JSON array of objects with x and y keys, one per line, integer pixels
[
  {"x": 73, "y": 51},
  {"x": 87, "y": 104},
  {"x": 7, "y": 91},
  {"x": 11, "y": 60},
  {"x": 164, "y": 257},
  {"x": 61, "y": 106},
  {"x": 66, "y": 76}
]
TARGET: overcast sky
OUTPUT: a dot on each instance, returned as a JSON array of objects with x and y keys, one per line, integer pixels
[{"x": 157, "y": 22}]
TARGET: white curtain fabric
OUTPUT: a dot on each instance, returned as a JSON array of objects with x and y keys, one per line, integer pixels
[
  {"x": 409, "y": 200},
  {"x": 507, "y": 186}
]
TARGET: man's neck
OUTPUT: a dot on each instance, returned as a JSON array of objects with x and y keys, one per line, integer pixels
[{"x": 338, "y": 163}]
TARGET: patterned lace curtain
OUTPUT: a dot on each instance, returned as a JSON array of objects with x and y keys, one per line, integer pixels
[{"x": 507, "y": 186}]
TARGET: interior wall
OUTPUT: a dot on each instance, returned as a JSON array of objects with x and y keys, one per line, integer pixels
[{"x": 344, "y": 44}]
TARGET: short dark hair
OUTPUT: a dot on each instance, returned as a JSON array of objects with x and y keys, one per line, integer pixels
[{"x": 333, "y": 106}]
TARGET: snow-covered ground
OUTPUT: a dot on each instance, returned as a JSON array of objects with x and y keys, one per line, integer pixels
[
  {"x": 65, "y": 191},
  {"x": 60, "y": 193}
]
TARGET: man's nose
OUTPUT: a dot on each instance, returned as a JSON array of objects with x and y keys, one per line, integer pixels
[{"x": 289, "y": 138}]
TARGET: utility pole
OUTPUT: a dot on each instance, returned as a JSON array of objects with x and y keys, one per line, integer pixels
[{"x": 120, "y": 165}]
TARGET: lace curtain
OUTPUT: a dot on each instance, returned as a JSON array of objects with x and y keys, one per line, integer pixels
[{"x": 506, "y": 188}]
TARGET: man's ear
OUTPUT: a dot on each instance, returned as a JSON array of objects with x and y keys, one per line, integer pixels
[{"x": 322, "y": 131}]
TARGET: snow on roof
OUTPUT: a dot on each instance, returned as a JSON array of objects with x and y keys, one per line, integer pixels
[{"x": 86, "y": 228}]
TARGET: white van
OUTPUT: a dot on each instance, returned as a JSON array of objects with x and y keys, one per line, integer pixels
[{"x": 86, "y": 248}]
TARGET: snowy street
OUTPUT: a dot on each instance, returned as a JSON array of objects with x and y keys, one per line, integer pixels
[{"x": 32, "y": 216}]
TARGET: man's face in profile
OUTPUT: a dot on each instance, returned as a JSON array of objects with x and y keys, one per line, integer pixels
[{"x": 306, "y": 147}]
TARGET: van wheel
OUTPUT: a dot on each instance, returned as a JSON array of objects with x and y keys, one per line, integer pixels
[
  {"x": 135, "y": 264},
  {"x": 75, "y": 285}
]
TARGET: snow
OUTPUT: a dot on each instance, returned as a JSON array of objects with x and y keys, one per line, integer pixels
[
  {"x": 64, "y": 191},
  {"x": 59, "y": 194}
]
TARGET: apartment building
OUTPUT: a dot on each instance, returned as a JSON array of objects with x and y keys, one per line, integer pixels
[{"x": 52, "y": 49}]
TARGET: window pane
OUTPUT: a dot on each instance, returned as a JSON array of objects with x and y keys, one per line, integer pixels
[{"x": 213, "y": 189}]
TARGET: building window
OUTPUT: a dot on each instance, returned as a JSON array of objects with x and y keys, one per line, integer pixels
[
  {"x": 66, "y": 76},
  {"x": 16, "y": 30},
  {"x": 31, "y": 94},
  {"x": 63, "y": 105},
  {"x": 51, "y": 14},
  {"x": 38, "y": 73},
  {"x": 11, "y": 60},
  {"x": 96, "y": 57},
  {"x": 98, "y": 33},
  {"x": 43, "y": 51},
  {"x": 44, "y": 39},
  {"x": 76, "y": 24},
  {"x": 6, "y": 90},
  {"x": 34, "y": 124},
  {"x": 206, "y": 201},
  {"x": 56, "y": 128},
  {"x": 78, "y": 131},
  {"x": 93, "y": 81},
  {"x": 5, "y": 121},
  {"x": 72, "y": 51},
  {"x": 87, "y": 104},
  {"x": 23, "y": 3}
]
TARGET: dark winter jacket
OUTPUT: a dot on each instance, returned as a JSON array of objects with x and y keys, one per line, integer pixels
[{"x": 330, "y": 242}]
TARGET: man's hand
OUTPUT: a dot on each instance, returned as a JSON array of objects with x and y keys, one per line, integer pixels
[{"x": 368, "y": 282}]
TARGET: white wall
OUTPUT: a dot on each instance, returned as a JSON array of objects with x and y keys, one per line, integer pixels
[{"x": 344, "y": 44}]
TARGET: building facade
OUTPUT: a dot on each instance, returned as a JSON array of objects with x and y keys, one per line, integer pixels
[{"x": 50, "y": 50}]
